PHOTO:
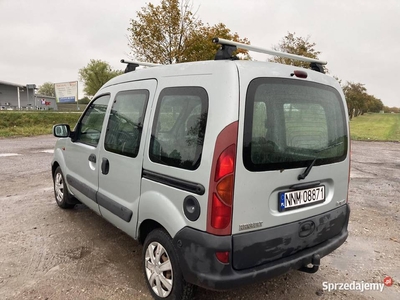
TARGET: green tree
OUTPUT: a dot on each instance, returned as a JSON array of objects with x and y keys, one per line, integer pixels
[
  {"x": 95, "y": 74},
  {"x": 159, "y": 33},
  {"x": 388, "y": 109},
  {"x": 171, "y": 33},
  {"x": 295, "y": 45},
  {"x": 355, "y": 94},
  {"x": 84, "y": 100},
  {"x": 359, "y": 101},
  {"x": 373, "y": 104},
  {"x": 47, "y": 89},
  {"x": 200, "y": 47}
]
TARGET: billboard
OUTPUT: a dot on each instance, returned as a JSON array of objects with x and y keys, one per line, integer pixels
[{"x": 66, "y": 92}]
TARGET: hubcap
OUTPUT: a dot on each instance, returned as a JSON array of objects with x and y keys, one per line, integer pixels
[
  {"x": 158, "y": 269},
  {"x": 59, "y": 187}
]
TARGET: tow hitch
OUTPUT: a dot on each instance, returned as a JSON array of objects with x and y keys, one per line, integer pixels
[{"x": 315, "y": 261}]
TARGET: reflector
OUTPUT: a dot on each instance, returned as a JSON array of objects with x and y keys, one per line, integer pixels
[{"x": 223, "y": 257}]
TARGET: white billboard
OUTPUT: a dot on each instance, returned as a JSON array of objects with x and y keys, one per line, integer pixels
[{"x": 66, "y": 92}]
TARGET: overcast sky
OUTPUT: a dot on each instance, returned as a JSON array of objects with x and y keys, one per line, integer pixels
[{"x": 43, "y": 40}]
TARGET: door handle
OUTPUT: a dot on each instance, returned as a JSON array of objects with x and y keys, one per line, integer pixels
[
  {"x": 105, "y": 166},
  {"x": 92, "y": 158}
]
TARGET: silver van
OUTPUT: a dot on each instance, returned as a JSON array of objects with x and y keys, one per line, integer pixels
[{"x": 227, "y": 171}]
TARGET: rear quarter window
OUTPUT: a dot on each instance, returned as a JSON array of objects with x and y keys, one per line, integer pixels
[
  {"x": 289, "y": 123},
  {"x": 179, "y": 127}
]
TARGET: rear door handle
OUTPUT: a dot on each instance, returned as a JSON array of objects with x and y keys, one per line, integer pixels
[
  {"x": 105, "y": 166},
  {"x": 92, "y": 158}
]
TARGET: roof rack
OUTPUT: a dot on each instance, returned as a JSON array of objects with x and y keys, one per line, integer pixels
[
  {"x": 132, "y": 65},
  {"x": 229, "y": 46}
]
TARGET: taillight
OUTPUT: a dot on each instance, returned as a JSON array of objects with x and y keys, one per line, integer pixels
[
  {"x": 225, "y": 189},
  {"x": 220, "y": 203},
  {"x": 220, "y": 214},
  {"x": 225, "y": 162}
]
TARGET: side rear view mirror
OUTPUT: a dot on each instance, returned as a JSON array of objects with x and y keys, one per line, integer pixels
[{"x": 61, "y": 130}]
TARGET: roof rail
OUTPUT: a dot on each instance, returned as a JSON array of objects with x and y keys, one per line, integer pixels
[
  {"x": 229, "y": 46},
  {"x": 132, "y": 65}
]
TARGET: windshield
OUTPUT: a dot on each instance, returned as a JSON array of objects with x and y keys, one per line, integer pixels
[{"x": 289, "y": 123}]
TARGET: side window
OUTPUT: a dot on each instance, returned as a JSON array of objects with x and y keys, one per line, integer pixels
[
  {"x": 89, "y": 128},
  {"x": 179, "y": 127},
  {"x": 124, "y": 129}
]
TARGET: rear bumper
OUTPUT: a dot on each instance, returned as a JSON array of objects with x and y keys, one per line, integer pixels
[{"x": 196, "y": 251}]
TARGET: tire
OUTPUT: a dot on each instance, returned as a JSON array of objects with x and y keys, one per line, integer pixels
[
  {"x": 63, "y": 198},
  {"x": 161, "y": 268}
]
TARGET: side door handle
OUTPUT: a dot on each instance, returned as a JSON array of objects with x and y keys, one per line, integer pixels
[
  {"x": 105, "y": 166},
  {"x": 92, "y": 158}
]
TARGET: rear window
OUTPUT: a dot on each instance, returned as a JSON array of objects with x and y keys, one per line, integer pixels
[{"x": 289, "y": 123}]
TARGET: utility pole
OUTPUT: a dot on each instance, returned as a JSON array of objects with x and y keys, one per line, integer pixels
[
  {"x": 27, "y": 95},
  {"x": 30, "y": 86},
  {"x": 19, "y": 98}
]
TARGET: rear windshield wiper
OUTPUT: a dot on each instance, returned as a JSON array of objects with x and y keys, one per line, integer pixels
[{"x": 308, "y": 169}]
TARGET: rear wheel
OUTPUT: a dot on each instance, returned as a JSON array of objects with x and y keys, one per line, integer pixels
[
  {"x": 63, "y": 198},
  {"x": 161, "y": 268}
]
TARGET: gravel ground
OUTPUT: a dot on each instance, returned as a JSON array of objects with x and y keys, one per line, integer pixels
[{"x": 49, "y": 253}]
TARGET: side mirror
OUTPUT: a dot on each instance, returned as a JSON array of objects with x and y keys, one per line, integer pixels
[{"x": 61, "y": 130}]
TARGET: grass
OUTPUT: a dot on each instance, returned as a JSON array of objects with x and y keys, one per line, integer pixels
[
  {"x": 369, "y": 127},
  {"x": 17, "y": 123},
  {"x": 376, "y": 127}
]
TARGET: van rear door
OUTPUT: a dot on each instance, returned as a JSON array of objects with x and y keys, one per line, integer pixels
[{"x": 289, "y": 127}]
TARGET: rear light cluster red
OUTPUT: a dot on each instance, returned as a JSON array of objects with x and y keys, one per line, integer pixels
[
  {"x": 223, "y": 256},
  {"x": 221, "y": 213},
  {"x": 219, "y": 219}
]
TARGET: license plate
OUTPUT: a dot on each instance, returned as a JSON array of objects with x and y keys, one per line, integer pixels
[{"x": 299, "y": 198}]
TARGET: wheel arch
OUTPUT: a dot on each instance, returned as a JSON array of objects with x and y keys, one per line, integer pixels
[
  {"x": 146, "y": 227},
  {"x": 54, "y": 167},
  {"x": 158, "y": 211},
  {"x": 58, "y": 161}
]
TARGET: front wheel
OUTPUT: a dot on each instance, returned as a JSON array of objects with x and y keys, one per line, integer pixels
[
  {"x": 63, "y": 197},
  {"x": 161, "y": 268}
]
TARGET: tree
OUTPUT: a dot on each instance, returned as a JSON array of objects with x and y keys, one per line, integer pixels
[
  {"x": 295, "y": 45},
  {"x": 171, "y": 33},
  {"x": 200, "y": 47},
  {"x": 84, "y": 100},
  {"x": 355, "y": 94},
  {"x": 394, "y": 110},
  {"x": 95, "y": 75},
  {"x": 359, "y": 101},
  {"x": 47, "y": 89},
  {"x": 160, "y": 32},
  {"x": 373, "y": 104}
]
